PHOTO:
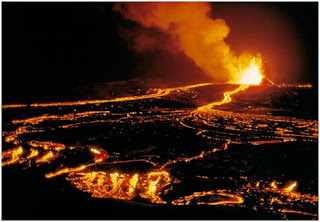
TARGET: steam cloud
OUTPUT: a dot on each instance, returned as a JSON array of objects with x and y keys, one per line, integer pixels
[{"x": 188, "y": 28}]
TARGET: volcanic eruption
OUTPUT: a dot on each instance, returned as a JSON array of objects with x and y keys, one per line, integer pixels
[
  {"x": 193, "y": 32},
  {"x": 231, "y": 145}
]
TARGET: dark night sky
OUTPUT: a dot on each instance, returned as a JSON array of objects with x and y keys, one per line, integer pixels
[{"x": 49, "y": 49}]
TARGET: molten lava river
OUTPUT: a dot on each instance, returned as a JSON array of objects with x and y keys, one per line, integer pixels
[{"x": 217, "y": 146}]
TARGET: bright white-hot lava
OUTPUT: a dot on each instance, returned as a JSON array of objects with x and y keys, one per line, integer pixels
[
  {"x": 251, "y": 75},
  {"x": 249, "y": 72}
]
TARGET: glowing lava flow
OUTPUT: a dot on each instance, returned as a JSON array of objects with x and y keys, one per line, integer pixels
[
  {"x": 47, "y": 157},
  {"x": 252, "y": 74},
  {"x": 280, "y": 199},
  {"x": 99, "y": 175},
  {"x": 15, "y": 155},
  {"x": 33, "y": 153},
  {"x": 159, "y": 93},
  {"x": 290, "y": 187},
  {"x": 99, "y": 155},
  {"x": 65, "y": 171},
  {"x": 297, "y": 212},
  {"x": 14, "y": 106},
  {"x": 227, "y": 198},
  {"x": 122, "y": 186},
  {"x": 227, "y": 98}
]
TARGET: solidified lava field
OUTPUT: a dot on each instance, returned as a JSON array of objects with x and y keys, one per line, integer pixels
[{"x": 205, "y": 151}]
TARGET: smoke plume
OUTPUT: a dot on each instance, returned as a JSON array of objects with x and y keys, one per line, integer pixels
[{"x": 187, "y": 28}]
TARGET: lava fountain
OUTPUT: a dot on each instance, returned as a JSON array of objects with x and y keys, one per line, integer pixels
[{"x": 250, "y": 72}]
